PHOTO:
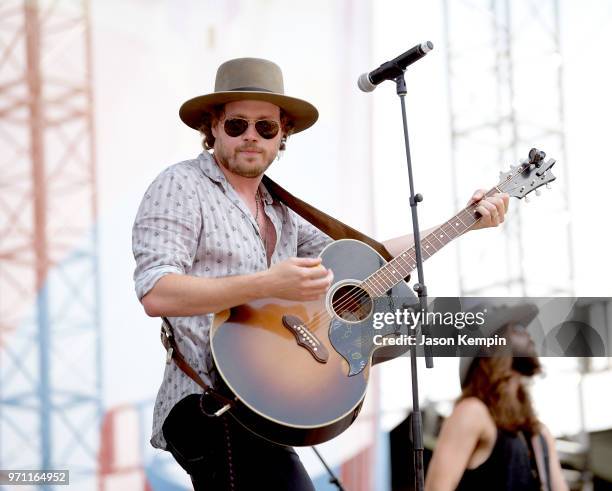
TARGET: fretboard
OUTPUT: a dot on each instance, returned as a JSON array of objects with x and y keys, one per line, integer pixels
[{"x": 382, "y": 280}]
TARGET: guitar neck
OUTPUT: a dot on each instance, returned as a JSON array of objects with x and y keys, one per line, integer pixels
[{"x": 382, "y": 280}]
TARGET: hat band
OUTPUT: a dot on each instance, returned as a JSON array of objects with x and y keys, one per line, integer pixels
[{"x": 249, "y": 89}]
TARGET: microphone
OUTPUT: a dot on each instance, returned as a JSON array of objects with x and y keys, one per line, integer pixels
[{"x": 394, "y": 68}]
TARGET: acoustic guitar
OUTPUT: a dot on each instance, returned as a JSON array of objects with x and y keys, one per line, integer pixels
[{"x": 299, "y": 371}]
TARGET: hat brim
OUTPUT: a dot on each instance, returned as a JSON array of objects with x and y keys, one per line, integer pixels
[
  {"x": 523, "y": 314},
  {"x": 498, "y": 317},
  {"x": 302, "y": 113}
]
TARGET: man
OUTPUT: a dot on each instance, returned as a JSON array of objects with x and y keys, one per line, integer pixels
[
  {"x": 208, "y": 236},
  {"x": 493, "y": 439}
]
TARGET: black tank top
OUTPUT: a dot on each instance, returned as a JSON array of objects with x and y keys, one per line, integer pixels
[{"x": 508, "y": 468}]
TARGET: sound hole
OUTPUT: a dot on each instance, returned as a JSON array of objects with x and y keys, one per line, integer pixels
[{"x": 351, "y": 303}]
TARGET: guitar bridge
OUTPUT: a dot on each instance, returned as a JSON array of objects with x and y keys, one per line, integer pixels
[{"x": 306, "y": 338}]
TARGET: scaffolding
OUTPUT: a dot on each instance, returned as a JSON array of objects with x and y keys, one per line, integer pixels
[
  {"x": 505, "y": 91},
  {"x": 50, "y": 371}
]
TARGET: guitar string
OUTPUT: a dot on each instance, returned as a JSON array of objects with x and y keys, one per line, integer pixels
[
  {"x": 324, "y": 314},
  {"x": 471, "y": 209},
  {"x": 358, "y": 288}
]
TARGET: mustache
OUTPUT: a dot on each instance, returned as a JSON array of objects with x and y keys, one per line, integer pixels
[
  {"x": 248, "y": 148},
  {"x": 527, "y": 365}
]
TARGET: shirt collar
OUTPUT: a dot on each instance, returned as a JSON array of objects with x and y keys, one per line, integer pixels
[
  {"x": 267, "y": 197},
  {"x": 210, "y": 168}
]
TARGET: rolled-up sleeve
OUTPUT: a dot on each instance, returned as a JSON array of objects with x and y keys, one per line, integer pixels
[
  {"x": 311, "y": 241},
  {"x": 166, "y": 229}
]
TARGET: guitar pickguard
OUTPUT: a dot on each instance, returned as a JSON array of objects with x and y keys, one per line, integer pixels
[{"x": 355, "y": 341}]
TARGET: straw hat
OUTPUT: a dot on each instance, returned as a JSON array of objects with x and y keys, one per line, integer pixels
[{"x": 249, "y": 79}]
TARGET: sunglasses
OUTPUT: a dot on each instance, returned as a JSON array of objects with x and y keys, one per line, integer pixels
[{"x": 266, "y": 128}]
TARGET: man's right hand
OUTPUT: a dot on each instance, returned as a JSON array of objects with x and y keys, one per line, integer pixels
[
  {"x": 179, "y": 295},
  {"x": 299, "y": 279}
]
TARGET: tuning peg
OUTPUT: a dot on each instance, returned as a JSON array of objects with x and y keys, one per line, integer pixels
[
  {"x": 538, "y": 192},
  {"x": 548, "y": 186},
  {"x": 536, "y": 156}
]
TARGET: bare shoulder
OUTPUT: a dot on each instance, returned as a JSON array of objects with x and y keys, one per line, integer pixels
[
  {"x": 471, "y": 415},
  {"x": 466, "y": 437},
  {"x": 471, "y": 408},
  {"x": 545, "y": 431}
]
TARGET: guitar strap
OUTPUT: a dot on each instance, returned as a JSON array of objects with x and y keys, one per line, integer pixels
[
  {"x": 327, "y": 224},
  {"x": 538, "y": 458},
  {"x": 540, "y": 450},
  {"x": 173, "y": 353}
]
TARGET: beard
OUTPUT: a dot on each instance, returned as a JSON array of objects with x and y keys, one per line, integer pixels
[
  {"x": 526, "y": 365},
  {"x": 242, "y": 164}
]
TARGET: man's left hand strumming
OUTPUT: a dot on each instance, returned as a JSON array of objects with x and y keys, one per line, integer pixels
[{"x": 492, "y": 209}]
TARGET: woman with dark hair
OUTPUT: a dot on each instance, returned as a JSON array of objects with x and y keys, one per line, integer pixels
[{"x": 493, "y": 439}]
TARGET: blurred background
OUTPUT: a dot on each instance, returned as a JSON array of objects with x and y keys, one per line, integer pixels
[{"x": 89, "y": 98}]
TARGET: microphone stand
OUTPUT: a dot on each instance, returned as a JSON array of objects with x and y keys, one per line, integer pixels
[
  {"x": 333, "y": 479},
  {"x": 421, "y": 290}
]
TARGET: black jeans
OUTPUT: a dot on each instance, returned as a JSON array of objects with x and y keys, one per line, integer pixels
[{"x": 220, "y": 454}]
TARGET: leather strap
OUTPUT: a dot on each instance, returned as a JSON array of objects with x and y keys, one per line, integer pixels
[
  {"x": 538, "y": 458},
  {"x": 173, "y": 353},
  {"x": 540, "y": 449},
  {"x": 327, "y": 224}
]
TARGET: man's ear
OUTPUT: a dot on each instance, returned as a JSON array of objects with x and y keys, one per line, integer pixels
[
  {"x": 213, "y": 127},
  {"x": 282, "y": 145}
]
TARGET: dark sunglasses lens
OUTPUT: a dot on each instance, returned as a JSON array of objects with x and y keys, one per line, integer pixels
[
  {"x": 235, "y": 127},
  {"x": 267, "y": 129}
]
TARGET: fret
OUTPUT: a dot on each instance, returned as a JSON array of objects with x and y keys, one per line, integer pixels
[
  {"x": 399, "y": 267},
  {"x": 435, "y": 239},
  {"x": 442, "y": 235},
  {"x": 470, "y": 216},
  {"x": 382, "y": 277},
  {"x": 368, "y": 288},
  {"x": 406, "y": 260},
  {"x": 457, "y": 226},
  {"x": 389, "y": 272},
  {"x": 373, "y": 279},
  {"x": 409, "y": 258},
  {"x": 397, "y": 275},
  {"x": 385, "y": 278},
  {"x": 394, "y": 271},
  {"x": 458, "y": 217},
  {"x": 449, "y": 232},
  {"x": 426, "y": 250},
  {"x": 428, "y": 247}
]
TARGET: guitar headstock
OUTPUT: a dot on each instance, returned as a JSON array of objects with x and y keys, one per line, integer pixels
[{"x": 528, "y": 176}]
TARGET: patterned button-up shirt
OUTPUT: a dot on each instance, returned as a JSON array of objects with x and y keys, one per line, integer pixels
[{"x": 191, "y": 221}]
